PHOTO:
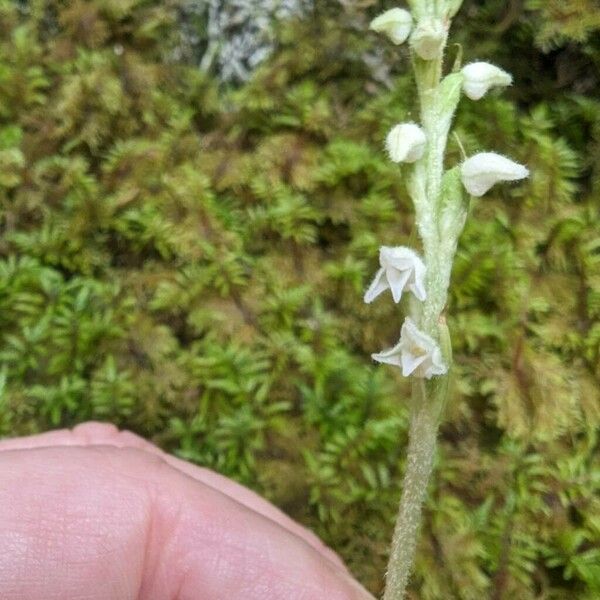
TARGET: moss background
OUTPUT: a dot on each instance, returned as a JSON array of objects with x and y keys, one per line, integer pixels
[{"x": 188, "y": 260}]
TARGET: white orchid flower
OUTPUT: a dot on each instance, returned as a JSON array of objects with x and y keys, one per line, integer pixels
[
  {"x": 479, "y": 77},
  {"x": 401, "y": 269},
  {"x": 405, "y": 143},
  {"x": 396, "y": 23},
  {"x": 480, "y": 172},
  {"x": 416, "y": 353}
]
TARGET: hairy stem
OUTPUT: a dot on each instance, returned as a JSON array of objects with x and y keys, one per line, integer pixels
[
  {"x": 421, "y": 451},
  {"x": 428, "y": 398}
]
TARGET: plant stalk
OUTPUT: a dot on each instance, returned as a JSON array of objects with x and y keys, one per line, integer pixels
[
  {"x": 428, "y": 399},
  {"x": 419, "y": 465}
]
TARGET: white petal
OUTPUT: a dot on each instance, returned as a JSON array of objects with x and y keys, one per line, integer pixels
[
  {"x": 393, "y": 256},
  {"x": 396, "y": 23},
  {"x": 416, "y": 283},
  {"x": 406, "y": 143},
  {"x": 392, "y": 356},
  {"x": 436, "y": 366},
  {"x": 480, "y": 172},
  {"x": 412, "y": 336},
  {"x": 399, "y": 257},
  {"x": 411, "y": 363},
  {"x": 378, "y": 286},
  {"x": 397, "y": 282},
  {"x": 418, "y": 289},
  {"x": 479, "y": 77}
]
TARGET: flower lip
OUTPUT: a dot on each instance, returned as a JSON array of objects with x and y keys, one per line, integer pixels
[
  {"x": 416, "y": 353},
  {"x": 396, "y": 23},
  {"x": 401, "y": 269},
  {"x": 482, "y": 171},
  {"x": 479, "y": 77}
]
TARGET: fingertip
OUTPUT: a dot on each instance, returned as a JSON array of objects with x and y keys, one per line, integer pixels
[
  {"x": 96, "y": 433},
  {"x": 91, "y": 432}
]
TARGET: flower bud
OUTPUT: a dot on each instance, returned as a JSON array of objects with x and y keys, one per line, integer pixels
[
  {"x": 396, "y": 23},
  {"x": 479, "y": 77},
  {"x": 429, "y": 38},
  {"x": 480, "y": 172},
  {"x": 405, "y": 143}
]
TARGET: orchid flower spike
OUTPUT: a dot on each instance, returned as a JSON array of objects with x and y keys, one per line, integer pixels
[
  {"x": 480, "y": 172},
  {"x": 401, "y": 269},
  {"x": 405, "y": 143},
  {"x": 416, "y": 353},
  {"x": 396, "y": 23},
  {"x": 479, "y": 77}
]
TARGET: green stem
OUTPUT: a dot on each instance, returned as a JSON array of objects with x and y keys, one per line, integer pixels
[
  {"x": 421, "y": 452},
  {"x": 428, "y": 398}
]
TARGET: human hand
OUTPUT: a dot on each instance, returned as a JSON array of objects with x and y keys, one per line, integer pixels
[{"x": 99, "y": 514}]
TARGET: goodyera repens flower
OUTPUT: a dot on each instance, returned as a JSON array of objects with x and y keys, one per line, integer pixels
[
  {"x": 396, "y": 23},
  {"x": 480, "y": 172},
  {"x": 416, "y": 353},
  {"x": 401, "y": 268},
  {"x": 479, "y": 77},
  {"x": 405, "y": 143}
]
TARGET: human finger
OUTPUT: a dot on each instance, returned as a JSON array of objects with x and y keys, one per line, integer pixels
[
  {"x": 100, "y": 522},
  {"x": 95, "y": 433}
]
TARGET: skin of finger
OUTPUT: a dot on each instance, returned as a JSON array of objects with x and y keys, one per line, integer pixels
[
  {"x": 96, "y": 433},
  {"x": 106, "y": 523}
]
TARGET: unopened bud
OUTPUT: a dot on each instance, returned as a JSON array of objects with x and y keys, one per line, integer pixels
[
  {"x": 479, "y": 77},
  {"x": 480, "y": 172},
  {"x": 396, "y": 23},
  {"x": 405, "y": 143}
]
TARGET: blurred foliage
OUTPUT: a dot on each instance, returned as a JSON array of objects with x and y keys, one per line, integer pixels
[{"x": 188, "y": 262}]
